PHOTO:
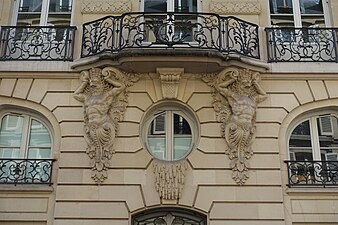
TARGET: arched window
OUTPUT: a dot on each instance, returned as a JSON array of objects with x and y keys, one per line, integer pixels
[
  {"x": 170, "y": 131},
  {"x": 315, "y": 138},
  {"x": 313, "y": 151},
  {"x": 25, "y": 148},
  {"x": 169, "y": 216}
]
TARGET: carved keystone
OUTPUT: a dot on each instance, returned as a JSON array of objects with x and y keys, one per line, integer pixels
[{"x": 170, "y": 79}]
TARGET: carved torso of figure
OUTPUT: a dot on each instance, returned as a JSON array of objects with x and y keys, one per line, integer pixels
[
  {"x": 243, "y": 109},
  {"x": 96, "y": 109}
]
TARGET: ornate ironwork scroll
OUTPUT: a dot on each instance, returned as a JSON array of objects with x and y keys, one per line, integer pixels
[
  {"x": 235, "y": 100},
  {"x": 37, "y": 43},
  {"x": 311, "y": 44},
  {"x": 313, "y": 173},
  {"x": 26, "y": 171},
  {"x": 170, "y": 30},
  {"x": 103, "y": 92}
]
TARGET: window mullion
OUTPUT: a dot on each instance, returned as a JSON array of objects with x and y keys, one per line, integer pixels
[
  {"x": 169, "y": 135},
  {"x": 315, "y": 139},
  {"x": 297, "y": 16},
  {"x": 25, "y": 137},
  {"x": 44, "y": 13}
]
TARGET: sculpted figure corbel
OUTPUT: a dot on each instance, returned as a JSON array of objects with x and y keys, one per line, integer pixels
[
  {"x": 103, "y": 95},
  {"x": 235, "y": 102}
]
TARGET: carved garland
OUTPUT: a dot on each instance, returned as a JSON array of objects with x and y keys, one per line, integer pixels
[
  {"x": 235, "y": 100},
  {"x": 103, "y": 93}
]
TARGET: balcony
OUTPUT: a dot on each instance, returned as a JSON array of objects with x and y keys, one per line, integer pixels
[
  {"x": 26, "y": 171},
  {"x": 168, "y": 34},
  {"x": 37, "y": 43},
  {"x": 312, "y": 173},
  {"x": 309, "y": 44}
]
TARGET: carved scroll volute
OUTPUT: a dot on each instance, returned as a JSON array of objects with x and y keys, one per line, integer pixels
[
  {"x": 236, "y": 96},
  {"x": 103, "y": 93},
  {"x": 169, "y": 178},
  {"x": 170, "y": 78}
]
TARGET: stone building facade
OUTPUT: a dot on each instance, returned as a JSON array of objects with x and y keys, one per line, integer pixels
[{"x": 184, "y": 112}]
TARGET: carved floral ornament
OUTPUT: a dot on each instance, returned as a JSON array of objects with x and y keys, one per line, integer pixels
[
  {"x": 103, "y": 93},
  {"x": 235, "y": 100}
]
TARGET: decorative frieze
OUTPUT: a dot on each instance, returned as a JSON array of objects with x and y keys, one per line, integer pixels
[
  {"x": 170, "y": 78},
  {"x": 234, "y": 7},
  {"x": 103, "y": 93},
  {"x": 105, "y": 6},
  {"x": 235, "y": 100},
  {"x": 169, "y": 178}
]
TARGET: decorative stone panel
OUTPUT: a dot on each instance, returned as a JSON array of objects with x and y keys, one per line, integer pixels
[
  {"x": 105, "y": 6},
  {"x": 170, "y": 78},
  {"x": 169, "y": 178},
  {"x": 234, "y": 7}
]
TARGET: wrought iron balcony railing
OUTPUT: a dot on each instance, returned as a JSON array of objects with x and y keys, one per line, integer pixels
[
  {"x": 37, "y": 43},
  {"x": 312, "y": 173},
  {"x": 287, "y": 44},
  {"x": 26, "y": 171},
  {"x": 170, "y": 31}
]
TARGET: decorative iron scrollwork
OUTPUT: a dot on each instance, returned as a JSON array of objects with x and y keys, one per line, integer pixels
[
  {"x": 170, "y": 30},
  {"x": 26, "y": 171}
]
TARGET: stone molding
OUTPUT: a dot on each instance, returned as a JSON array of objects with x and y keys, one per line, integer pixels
[
  {"x": 235, "y": 98},
  {"x": 234, "y": 7},
  {"x": 103, "y": 93},
  {"x": 170, "y": 78},
  {"x": 169, "y": 178},
  {"x": 105, "y": 6}
]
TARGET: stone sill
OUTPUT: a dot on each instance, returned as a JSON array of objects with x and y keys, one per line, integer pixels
[
  {"x": 26, "y": 188},
  {"x": 312, "y": 190}
]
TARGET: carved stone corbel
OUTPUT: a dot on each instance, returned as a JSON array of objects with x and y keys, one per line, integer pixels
[
  {"x": 170, "y": 79},
  {"x": 235, "y": 100},
  {"x": 169, "y": 178},
  {"x": 103, "y": 93}
]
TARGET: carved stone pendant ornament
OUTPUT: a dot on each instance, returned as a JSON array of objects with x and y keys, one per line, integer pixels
[
  {"x": 169, "y": 178},
  {"x": 235, "y": 100},
  {"x": 103, "y": 93}
]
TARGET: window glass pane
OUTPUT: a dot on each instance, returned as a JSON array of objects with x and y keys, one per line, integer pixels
[
  {"x": 39, "y": 135},
  {"x": 281, "y": 7},
  {"x": 11, "y": 131},
  {"x": 157, "y": 137},
  {"x": 29, "y": 13},
  {"x": 155, "y": 5},
  {"x": 181, "y": 146},
  {"x": 39, "y": 153},
  {"x": 281, "y": 12},
  {"x": 30, "y": 6},
  {"x": 300, "y": 142},
  {"x": 181, "y": 125},
  {"x": 60, "y": 6},
  {"x": 185, "y": 5},
  {"x": 311, "y": 7},
  {"x": 9, "y": 152},
  {"x": 59, "y": 13}
]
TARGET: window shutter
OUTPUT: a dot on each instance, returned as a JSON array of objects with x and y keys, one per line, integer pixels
[{"x": 325, "y": 124}]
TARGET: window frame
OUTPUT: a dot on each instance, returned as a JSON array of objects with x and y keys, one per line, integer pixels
[
  {"x": 44, "y": 12},
  {"x": 297, "y": 15},
  {"x": 314, "y": 132},
  {"x": 173, "y": 108},
  {"x": 28, "y": 117},
  {"x": 171, "y": 6}
]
